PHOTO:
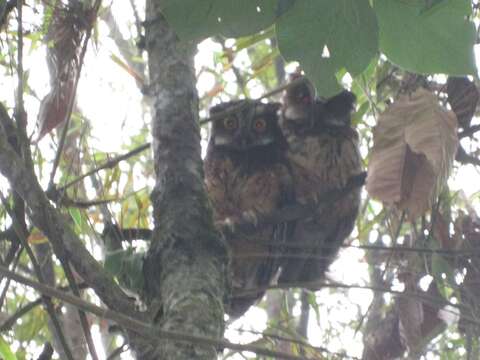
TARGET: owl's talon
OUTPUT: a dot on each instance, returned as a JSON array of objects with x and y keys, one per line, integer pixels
[
  {"x": 251, "y": 217},
  {"x": 229, "y": 224}
]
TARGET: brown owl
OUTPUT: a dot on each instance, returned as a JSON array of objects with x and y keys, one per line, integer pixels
[
  {"x": 323, "y": 153},
  {"x": 246, "y": 173}
]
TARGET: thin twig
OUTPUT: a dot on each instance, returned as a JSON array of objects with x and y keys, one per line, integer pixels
[
  {"x": 20, "y": 105},
  {"x": 68, "y": 116},
  {"x": 117, "y": 352},
  {"x": 3, "y": 295},
  {"x": 239, "y": 107},
  {"x": 469, "y": 131},
  {"x": 130, "y": 234},
  {"x": 81, "y": 314},
  {"x": 295, "y": 341},
  {"x": 5, "y": 9},
  {"x": 106, "y": 165},
  {"x": 8, "y": 324},
  {"x": 113, "y": 162},
  {"x": 21, "y": 129},
  {"x": 20, "y": 114},
  {"x": 284, "y": 214},
  {"x": 382, "y": 274},
  {"x": 66, "y": 267},
  {"x": 38, "y": 271},
  {"x": 336, "y": 285},
  {"x": 464, "y": 158},
  {"x": 137, "y": 326},
  {"x": 47, "y": 352}
]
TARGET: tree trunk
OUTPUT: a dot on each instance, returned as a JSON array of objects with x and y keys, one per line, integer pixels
[{"x": 185, "y": 267}]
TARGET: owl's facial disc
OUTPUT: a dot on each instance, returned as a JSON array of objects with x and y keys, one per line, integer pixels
[{"x": 221, "y": 140}]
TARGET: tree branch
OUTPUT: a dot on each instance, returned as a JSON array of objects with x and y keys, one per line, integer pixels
[
  {"x": 65, "y": 242},
  {"x": 138, "y": 326},
  {"x": 55, "y": 193},
  {"x": 185, "y": 267},
  {"x": 61, "y": 144},
  {"x": 464, "y": 158},
  {"x": 247, "y": 226},
  {"x": 469, "y": 131},
  {"x": 22, "y": 236}
]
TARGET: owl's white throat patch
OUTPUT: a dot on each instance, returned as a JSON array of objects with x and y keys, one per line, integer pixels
[{"x": 220, "y": 140}]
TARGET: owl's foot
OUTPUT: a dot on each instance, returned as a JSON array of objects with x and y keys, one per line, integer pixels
[
  {"x": 229, "y": 224},
  {"x": 251, "y": 217}
]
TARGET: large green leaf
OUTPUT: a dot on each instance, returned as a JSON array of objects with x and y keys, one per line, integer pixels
[
  {"x": 127, "y": 266},
  {"x": 198, "y": 19},
  {"x": 438, "y": 39},
  {"x": 347, "y": 28},
  {"x": 5, "y": 352}
]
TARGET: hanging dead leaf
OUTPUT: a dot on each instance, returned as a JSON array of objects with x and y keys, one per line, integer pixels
[
  {"x": 64, "y": 39},
  {"x": 463, "y": 97},
  {"x": 53, "y": 108},
  {"x": 415, "y": 142}
]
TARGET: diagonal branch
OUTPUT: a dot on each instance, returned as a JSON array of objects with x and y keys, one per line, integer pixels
[
  {"x": 93, "y": 15},
  {"x": 247, "y": 226},
  {"x": 138, "y": 326},
  {"x": 464, "y": 158},
  {"x": 55, "y": 193},
  {"x": 22, "y": 236},
  {"x": 66, "y": 244}
]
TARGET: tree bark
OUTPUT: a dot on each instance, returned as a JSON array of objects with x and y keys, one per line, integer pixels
[{"x": 185, "y": 267}]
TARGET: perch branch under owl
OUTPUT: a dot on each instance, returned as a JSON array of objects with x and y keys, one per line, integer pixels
[{"x": 246, "y": 225}]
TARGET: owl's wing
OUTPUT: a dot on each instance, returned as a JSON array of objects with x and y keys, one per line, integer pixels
[
  {"x": 317, "y": 239},
  {"x": 322, "y": 235},
  {"x": 283, "y": 232},
  {"x": 266, "y": 268}
]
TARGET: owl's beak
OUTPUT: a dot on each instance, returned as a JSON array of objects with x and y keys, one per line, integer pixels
[{"x": 245, "y": 142}]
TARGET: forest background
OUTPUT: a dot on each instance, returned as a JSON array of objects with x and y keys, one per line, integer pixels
[{"x": 76, "y": 159}]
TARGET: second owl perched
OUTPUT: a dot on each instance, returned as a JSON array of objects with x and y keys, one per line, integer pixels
[{"x": 323, "y": 153}]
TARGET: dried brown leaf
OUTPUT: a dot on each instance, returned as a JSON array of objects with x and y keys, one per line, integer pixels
[
  {"x": 64, "y": 38},
  {"x": 53, "y": 108},
  {"x": 415, "y": 142}
]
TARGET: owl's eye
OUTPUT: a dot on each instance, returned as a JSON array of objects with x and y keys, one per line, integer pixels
[
  {"x": 230, "y": 123},
  {"x": 260, "y": 125}
]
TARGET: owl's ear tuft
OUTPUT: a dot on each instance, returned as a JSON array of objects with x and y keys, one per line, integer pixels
[
  {"x": 342, "y": 103},
  {"x": 339, "y": 109},
  {"x": 274, "y": 107}
]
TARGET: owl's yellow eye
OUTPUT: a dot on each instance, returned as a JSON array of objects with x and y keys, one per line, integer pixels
[
  {"x": 230, "y": 123},
  {"x": 260, "y": 125}
]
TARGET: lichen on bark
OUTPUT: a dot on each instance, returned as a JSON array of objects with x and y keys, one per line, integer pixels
[{"x": 185, "y": 266}]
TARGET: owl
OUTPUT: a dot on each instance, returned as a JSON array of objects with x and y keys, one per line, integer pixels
[
  {"x": 246, "y": 174},
  {"x": 323, "y": 154}
]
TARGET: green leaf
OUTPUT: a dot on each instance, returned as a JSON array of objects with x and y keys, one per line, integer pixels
[
  {"x": 127, "y": 266},
  {"x": 76, "y": 216},
  {"x": 347, "y": 28},
  {"x": 32, "y": 325},
  {"x": 194, "y": 20},
  {"x": 441, "y": 266},
  {"x": 247, "y": 41},
  {"x": 437, "y": 40},
  {"x": 5, "y": 352}
]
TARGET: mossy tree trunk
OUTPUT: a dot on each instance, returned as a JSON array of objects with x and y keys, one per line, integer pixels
[{"x": 186, "y": 264}]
